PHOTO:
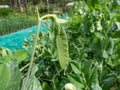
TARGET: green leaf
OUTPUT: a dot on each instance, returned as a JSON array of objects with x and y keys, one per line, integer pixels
[
  {"x": 45, "y": 86},
  {"x": 76, "y": 67},
  {"x": 110, "y": 46},
  {"x": 6, "y": 59},
  {"x": 15, "y": 80},
  {"x": 116, "y": 34},
  {"x": 32, "y": 83},
  {"x": 86, "y": 66},
  {"x": 20, "y": 55},
  {"x": 117, "y": 17},
  {"x": 5, "y": 76},
  {"x": 109, "y": 79},
  {"x": 118, "y": 2},
  {"x": 96, "y": 4},
  {"x": 95, "y": 86},
  {"x": 75, "y": 82},
  {"x": 115, "y": 26},
  {"x": 104, "y": 54},
  {"x": 94, "y": 75},
  {"x": 10, "y": 76}
]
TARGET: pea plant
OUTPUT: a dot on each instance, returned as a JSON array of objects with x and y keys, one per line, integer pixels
[
  {"x": 80, "y": 54},
  {"x": 29, "y": 81}
]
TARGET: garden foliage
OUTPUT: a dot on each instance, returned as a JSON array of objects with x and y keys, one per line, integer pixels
[{"x": 84, "y": 51}]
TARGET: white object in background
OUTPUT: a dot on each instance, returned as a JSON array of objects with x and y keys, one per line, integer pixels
[
  {"x": 70, "y": 4},
  {"x": 4, "y": 6},
  {"x": 69, "y": 86}
]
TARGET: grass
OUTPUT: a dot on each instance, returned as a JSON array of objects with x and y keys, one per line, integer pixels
[{"x": 15, "y": 22}]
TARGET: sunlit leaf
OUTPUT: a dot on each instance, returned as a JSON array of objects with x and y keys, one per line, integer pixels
[
  {"x": 10, "y": 77},
  {"x": 5, "y": 76},
  {"x": 15, "y": 80},
  {"x": 95, "y": 86}
]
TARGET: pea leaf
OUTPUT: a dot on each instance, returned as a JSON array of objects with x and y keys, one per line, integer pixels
[
  {"x": 15, "y": 79},
  {"x": 10, "y": 76},
  {"x": 76, "y": 67},
  {"x": 4, "y": 76},
  {"x": 32, "y": 83},
  {"x": 20, "y": 55},
  {"x": 45, "y": 86},
  {"x": 75, "y": 81},
  {"x": 95, "y": 86}
]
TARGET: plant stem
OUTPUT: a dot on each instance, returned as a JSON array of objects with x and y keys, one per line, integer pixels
[
  {"x": 35, "y": 43},
  {"x": 33, "y": 52},
  {"x": 33, "y": 49},
  {"x": 36, "y": 38}
]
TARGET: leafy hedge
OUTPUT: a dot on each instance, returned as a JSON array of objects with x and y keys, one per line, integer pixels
[{"x": 15, "y": 22}]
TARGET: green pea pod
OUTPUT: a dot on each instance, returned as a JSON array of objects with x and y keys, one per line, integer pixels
[{"x": 62, "y": 48}]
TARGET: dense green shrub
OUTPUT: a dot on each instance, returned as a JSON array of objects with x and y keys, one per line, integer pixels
[
  {"x": 5, "y": 11},
  {"x": 16, "y": 22}
]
